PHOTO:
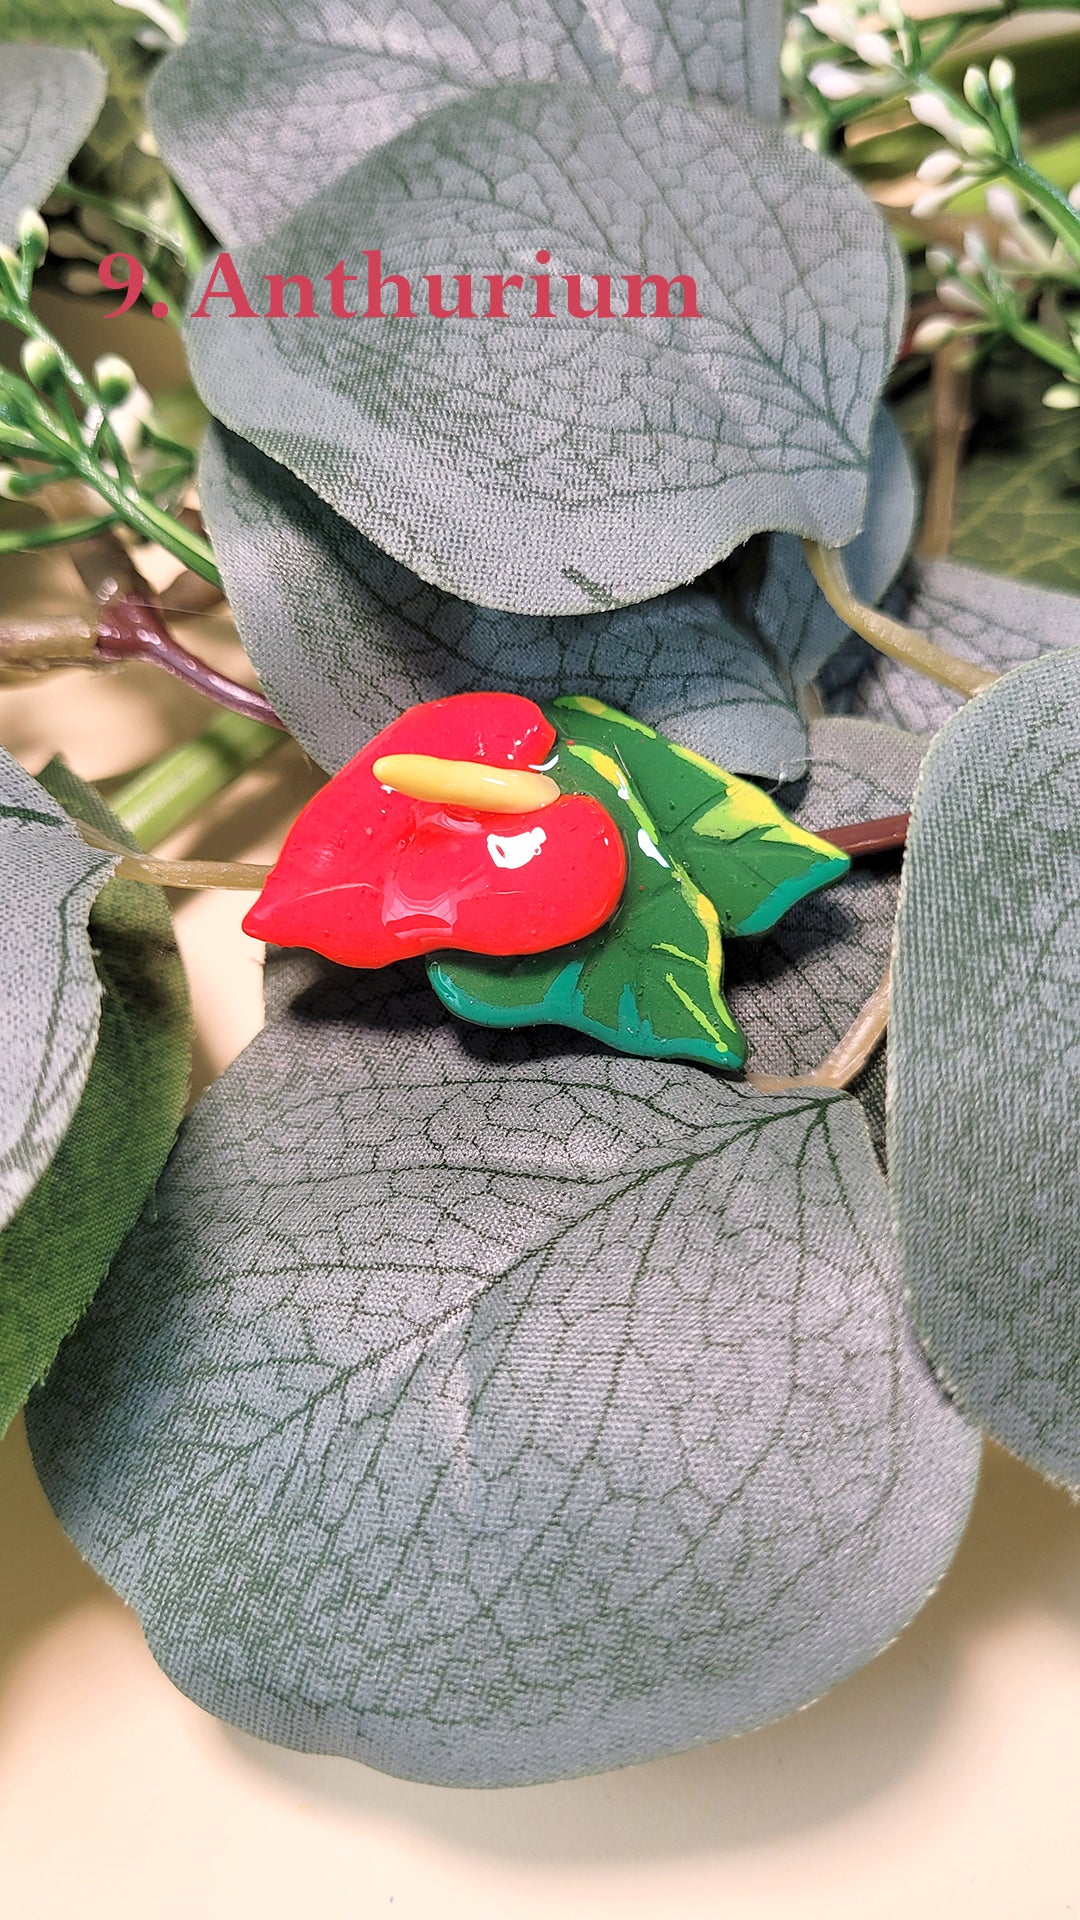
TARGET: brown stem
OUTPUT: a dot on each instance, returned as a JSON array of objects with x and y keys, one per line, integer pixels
[
  {"x": 950, "y": 423},
  {"x": 240, "y": 875},
  {"x": 868, "y": 836},
  {"x": 847, "y": 1059},
  {"x": 130, "y": 624}
]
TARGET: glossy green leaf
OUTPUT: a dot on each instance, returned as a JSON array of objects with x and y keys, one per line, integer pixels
[
  {"x": 769, "y": 586},
  {"x": 57, "y": 1248},
  {"x": 343, "y": 637},
  {"x": 984, "y": 1061},
  {"x": 707, "y": 855},
  {"x": 797, "y": 991},
  {"x": 979, "y": 616},
  {"x": 565, "y": 465},
  {"x": 490, "y": 1410},
  {"x": 242, "y": 111},
  {"x": 51, "y": 98},
  {"x": 50, "y": 997}
]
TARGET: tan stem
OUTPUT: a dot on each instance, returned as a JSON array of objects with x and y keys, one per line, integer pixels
[
  {"x": 889, "y": 636},
  {"x": 152, "y": 872},
  {"x": 950, "y": 424},
  {"x": 846, "y": 1061},
  {"x": 46, "y": 643}
]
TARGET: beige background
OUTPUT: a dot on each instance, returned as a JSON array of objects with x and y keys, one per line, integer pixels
[{"x": 942, "y": 1780}]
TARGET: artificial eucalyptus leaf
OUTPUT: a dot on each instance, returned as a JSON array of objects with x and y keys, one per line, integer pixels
[
  {"x": 242, "y": 111},
  {"x": 490, "y": 1410},
  {"x": 983, "y": 617},
  {"x": 57, "y": 1248},
  {"x": 50, "y": 995},
  {"x": 984, "y": 1061},
  {"x": 769, "y": 586},
  {"x": 343, "y": 637},
  {"x": 51, "y": 98},
  {"x": 567, "y": 465},
  {"x": 797, "y": 991}
]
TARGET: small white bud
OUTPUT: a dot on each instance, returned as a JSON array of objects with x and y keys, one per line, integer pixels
[
  {"x": 12, "y": 484},
  {"x": 932, "y": 112},
  {"x": 1003, "y": 206},
  {"x": 128, "y": 419},
  {"x": 893, "y": 14},
  {"x": 931, "y": 334},
  {"x": 41, "y": 364},
  {"x": 791, "y": 62},
  {"x": 1062, "y": 397},
  {"x": 810, "y": 138},
  {"x": 1074, "y": 195},
  {"x": 33, "y": 236},
  {"x": 979, "y": 142},
  {"x": 834, "y": 82},
  {"x": 927, "y": 204},
  {"x": 976, "y": 91},
  {"x": 938, "y": 166},
  {"x": 940, "y": 260},
  {"x": 114, "y": 379},
  {"x": 976, "y": 252},
  {"x": 834, "y": 23},
  {"x": 875, "y": 49},
  {"x": 960, "y": 298},
  {"x": 1002, "y": 76}
]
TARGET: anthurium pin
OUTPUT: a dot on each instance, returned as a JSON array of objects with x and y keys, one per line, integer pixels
[{"x": 565, "y": 867}]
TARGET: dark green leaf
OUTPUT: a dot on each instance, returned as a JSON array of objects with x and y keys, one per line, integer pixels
[
  {"x": 57, "y": 1249},
  {"x": 489, "y": 1410},
  {"x": 984, "y": 1061}
]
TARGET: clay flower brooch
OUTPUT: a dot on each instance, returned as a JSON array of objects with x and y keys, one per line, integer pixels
[{"x": 565, "y": 866}]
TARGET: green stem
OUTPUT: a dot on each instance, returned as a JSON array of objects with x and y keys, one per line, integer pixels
[
  {"x": 151, "y": 521},
  {"x": 173, "y": 790},
  {"x": 21, "y": 539},
  {"x": 1056, "y": 208},
  {"x": 1038, "y": 341},
  {"x": 125, "y": 214}
]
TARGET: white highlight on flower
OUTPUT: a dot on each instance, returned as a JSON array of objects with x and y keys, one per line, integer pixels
[
  {"x": 1062, "y": 397},
  {"x": 875, "y": 49},
  {"x": 649, "y": 848},
  {"x": 513, "y": 850}
]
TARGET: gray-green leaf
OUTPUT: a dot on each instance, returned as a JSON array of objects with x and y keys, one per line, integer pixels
[
  {"x": 980, "y": 616},
  {"x": 491, "y": 1410},
  {"x": 51, "y": 98},
  {"x": 56, "y": 1249},
  {"x": 564, "y": 465},
  {"x": 50, "y": 996},
  {"x": 771, "y": 586},
  {"x": 343, "y": 637},
  {"x": 984, "y": 1061},
  {"x": 243, "y": 111}
]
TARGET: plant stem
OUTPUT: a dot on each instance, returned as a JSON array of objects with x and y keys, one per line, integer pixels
[
  {"x": 868, "y": 836},
  {"x": 151, "y": 872},
  {"x": 23, "y": 539},
  {"x": 151, "y": 521},
  {"x": 165, "y": 796},
  {"x": 848, "y": 1057},
  {"x": 889, "y": 636}
]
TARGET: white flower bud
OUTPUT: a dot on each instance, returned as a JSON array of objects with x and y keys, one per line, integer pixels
[
  {"x": 979, "y": 142},
  {"x": 976, "y": 90},
  {"x": 940, "y": 260},
  {"x": 931, "y": 334},
  {"x": 1002, "y": 76},
  {"x": 834, "y": 23},
  {"x": 33, "y": 236},
  {"x": 892, "y": 13},
  {"x": 834, "y": 82},
  {"x": 875, "y": 49},
  {"x": 12, "y": 484},
  {"x": 791, "y": 62},
  {"x": 114, "y": 379},
  {"x": 1074, "y": 195},
  {"x": 960, "y": 298},
  {"x": 938, "y": 166},
  {"x": 932, "y": 112},
  {"x": 41, "y": 364},
  {"x": 1003, "y": 206},
  {"x": 1062, "y": 397},
  {"x": 927, "y": 204}
]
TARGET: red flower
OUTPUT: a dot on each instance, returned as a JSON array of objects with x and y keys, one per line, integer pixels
[{"x": 369, "y": 875}]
